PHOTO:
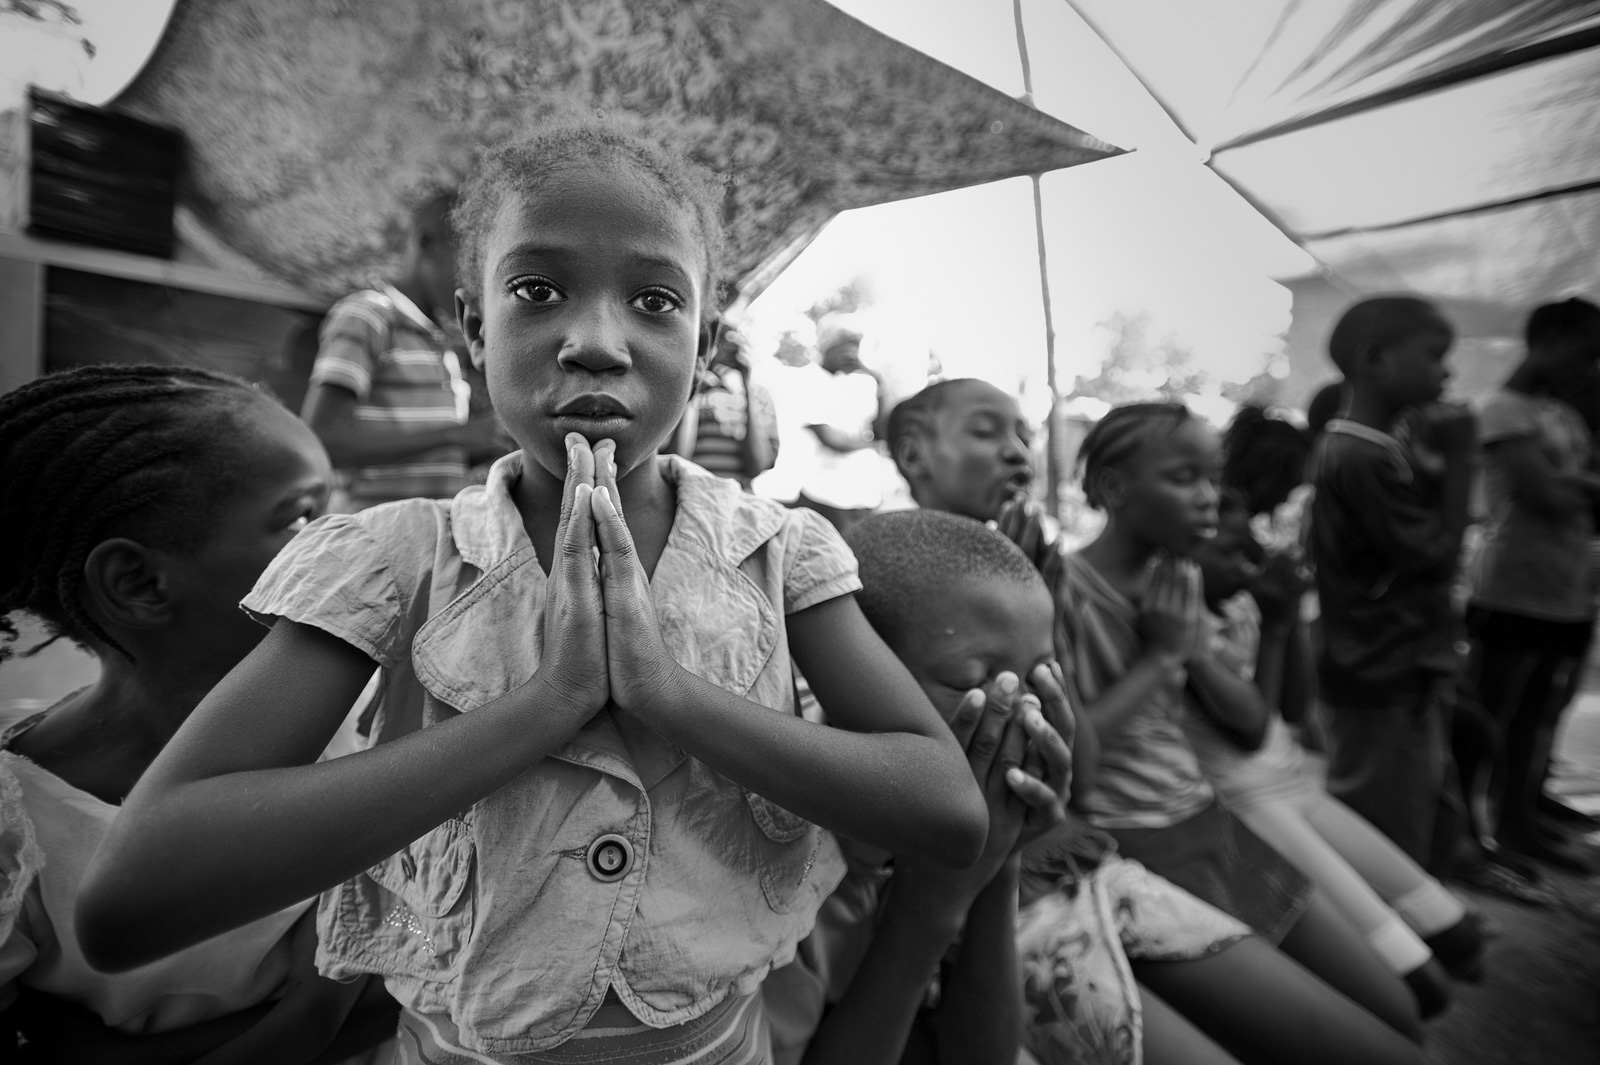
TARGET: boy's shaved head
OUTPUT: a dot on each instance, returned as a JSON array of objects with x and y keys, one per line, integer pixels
[
  {"x": 1379, "y": 322},
  {"x": 910, "y": 558}
]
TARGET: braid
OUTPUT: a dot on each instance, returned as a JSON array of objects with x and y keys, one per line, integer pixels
[
  {"x": 1118, "y": 437},
  {"x": 103, "y": 451},
  {"x": 914, "y": 414}
]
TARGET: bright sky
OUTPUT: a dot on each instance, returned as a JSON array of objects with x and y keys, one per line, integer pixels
[
  {"x": 1153, "y": 231},
  {"x": 957, "y": 273}
]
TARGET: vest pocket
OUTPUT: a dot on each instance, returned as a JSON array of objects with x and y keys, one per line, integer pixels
[
  {"x": 786, "y": 848},
  {"x": 412, "y": 912}
]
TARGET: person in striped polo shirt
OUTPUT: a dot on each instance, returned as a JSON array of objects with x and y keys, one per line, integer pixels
[{"x": 386, "y": 395}]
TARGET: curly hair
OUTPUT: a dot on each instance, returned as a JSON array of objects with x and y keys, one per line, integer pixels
[
  {"x": 521, "y": 165},
  {"x": 1119, "y": 436},
  {"x": 908, "y": 559},
  {"x": 102, "y": 451},
  {"x": 1264, "y": 458}
]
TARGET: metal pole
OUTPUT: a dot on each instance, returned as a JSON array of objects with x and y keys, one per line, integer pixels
[{"x": 1052, "y": 460}]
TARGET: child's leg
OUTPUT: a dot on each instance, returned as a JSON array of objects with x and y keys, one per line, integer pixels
[
  {"x": 1169, "y": 1038},
  {"x": 1265, "y": 1009},
  {"x": 1420, "y": 900},
  {"x": 1281, "y": 825},
  {"x": 1324, "y": 941}
]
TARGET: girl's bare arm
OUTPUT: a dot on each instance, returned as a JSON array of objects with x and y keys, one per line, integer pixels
[
  {"x": 236, "y": 819},
  {"x": 885, "y": 770}
]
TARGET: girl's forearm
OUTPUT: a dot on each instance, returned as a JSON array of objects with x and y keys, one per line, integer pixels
[
  {"x": 1125, "y": 700},
  {"x": 980, "y": 1001},
  {"x": 191, "y": 858},
  {"x": 1229, "y": 700},
  {"x": 906, "y": 792},
  {"x": 872, "y": 1021}
]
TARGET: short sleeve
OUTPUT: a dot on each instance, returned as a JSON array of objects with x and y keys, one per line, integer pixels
[
  {"x": 1505, "y": 417},
  {"x": 818, "y": 565},
  {"x": 20, "y": 862},
  {"x": 335, "y": 576},
  {"x": 354, "y": 336}
]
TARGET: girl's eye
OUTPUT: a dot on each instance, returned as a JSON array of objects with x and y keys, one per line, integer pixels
[
  {"x": 657, "y": 301},
  {"x": 535, "y": 290}
]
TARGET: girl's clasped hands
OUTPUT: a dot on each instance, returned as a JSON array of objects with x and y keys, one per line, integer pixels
[{"x": 602, "y": 643}]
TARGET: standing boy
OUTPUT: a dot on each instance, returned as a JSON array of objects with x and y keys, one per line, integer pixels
[
  {"x": 1386, "y": 540},
  {"x": 387, "y": 396}
]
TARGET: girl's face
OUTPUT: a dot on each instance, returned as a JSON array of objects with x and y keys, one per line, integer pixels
[
  {"x": 976, "y": 456},
  {"x": 1168, "y": 491},
  {"x": 590, "y": 315},
  {"x": 283, "y": 481}
]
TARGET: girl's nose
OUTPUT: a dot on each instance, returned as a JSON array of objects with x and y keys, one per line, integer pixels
[{"x": 595, "y": 342}]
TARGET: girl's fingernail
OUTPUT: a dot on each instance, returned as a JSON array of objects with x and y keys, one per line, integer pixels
[
  {"x": 1015, "y": 775},
  {"x": 991, "y": 525},
  {"x": 1008, "y": 682}
]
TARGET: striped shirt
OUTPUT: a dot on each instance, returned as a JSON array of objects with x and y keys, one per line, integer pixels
[{"x": 381, "y": 347}]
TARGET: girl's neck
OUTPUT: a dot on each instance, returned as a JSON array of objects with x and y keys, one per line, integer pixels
[
  {"x": 1121, "y": 558},
  {"x": 649, "y": 505},
  {"x": 103, "y": 740}
]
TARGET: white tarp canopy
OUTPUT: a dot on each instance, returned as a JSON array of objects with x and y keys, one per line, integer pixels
[{"x": 1450, "y": 147}]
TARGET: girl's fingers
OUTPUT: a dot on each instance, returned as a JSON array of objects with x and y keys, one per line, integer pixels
[
  {"x": 619, "y": 560},
  {"x": 580, "y": 470},
  {"x": 1032, "y": 758},
  {"x": 577, "y": 564},
  {"x": 1036, "y": 794},
  {"x": 1053, "y": 749},
  {"x": 1053, "y": 702},
  {"x": 605, "y": 469},
  {"x": 1000, "y": 699},
  {"x": 1013, "y": 749},
  {"x": 968, "y": 713}
]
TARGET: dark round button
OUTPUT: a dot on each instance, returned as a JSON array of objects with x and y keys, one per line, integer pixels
[{"x": 610, "y": 858}]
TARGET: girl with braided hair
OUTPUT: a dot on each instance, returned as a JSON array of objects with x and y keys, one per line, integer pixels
[
  {"x": 144, "y": 502},
  {"x": 1132, "y": 627}
]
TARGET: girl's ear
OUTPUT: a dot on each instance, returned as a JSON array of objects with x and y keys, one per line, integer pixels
[
  {"x": 470, "y": 315},
  {"x": 1113, "y": 488},
  {"x": 125, "y": 584},
  {"x": 911, "y": 456}
]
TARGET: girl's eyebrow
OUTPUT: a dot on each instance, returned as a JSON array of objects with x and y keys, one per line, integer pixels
[{"x": 525, "y": 252}]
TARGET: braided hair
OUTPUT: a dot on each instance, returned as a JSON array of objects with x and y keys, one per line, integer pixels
[
  {"x": 915, "y": 414},
  {"x": 1264, "y": 458},
  {"x": 106, "y": 451},
  {"x": 1118, "y": 436}
]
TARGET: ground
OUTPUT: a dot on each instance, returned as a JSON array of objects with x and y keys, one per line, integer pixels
[
  {"x": 1541, "y": 1001},
  {"x": 1539, "y": 1005}
]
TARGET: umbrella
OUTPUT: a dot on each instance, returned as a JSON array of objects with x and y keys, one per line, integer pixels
[{"x": 313, "y": 127}]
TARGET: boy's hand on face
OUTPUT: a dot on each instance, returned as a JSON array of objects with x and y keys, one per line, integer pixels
[
  {"x": 573, "y": 659},
  {"x": 1045, "y": 780},
  {"x": 637, "y": 662}
]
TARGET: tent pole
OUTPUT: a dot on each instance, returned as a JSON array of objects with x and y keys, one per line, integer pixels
[{"x": 1052, "y": 435}]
